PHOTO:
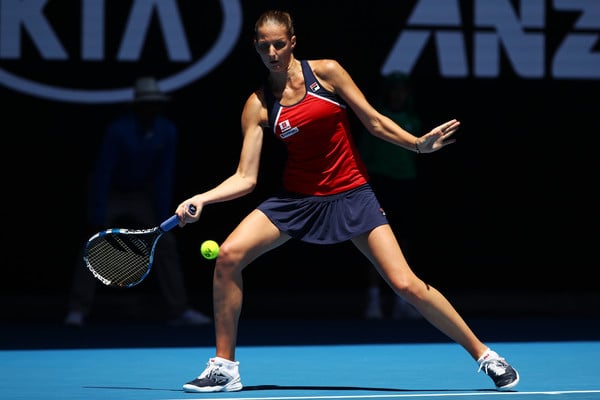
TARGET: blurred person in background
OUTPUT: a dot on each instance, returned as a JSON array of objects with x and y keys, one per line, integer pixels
[
  {"x": 131, "y": 186},
  {"x": 393, "y": 173}
]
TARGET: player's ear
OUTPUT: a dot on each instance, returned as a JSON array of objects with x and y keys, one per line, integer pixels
[{"x": 293, "y": 41}]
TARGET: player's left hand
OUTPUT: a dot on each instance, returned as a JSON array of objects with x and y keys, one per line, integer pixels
[{"x": 438, "y": 137}]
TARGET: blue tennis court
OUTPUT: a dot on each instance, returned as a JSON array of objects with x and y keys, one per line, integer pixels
[{"x": 299, "y": 360}]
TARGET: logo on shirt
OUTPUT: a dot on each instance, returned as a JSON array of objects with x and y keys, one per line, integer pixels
[
  {"x": 286, "y": 129},
  {"x": 314, "y": 86}
]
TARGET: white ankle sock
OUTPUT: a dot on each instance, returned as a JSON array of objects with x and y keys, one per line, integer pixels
[
  {"x": 489, "y": 353},
  {"x": 226, "y": 363}
]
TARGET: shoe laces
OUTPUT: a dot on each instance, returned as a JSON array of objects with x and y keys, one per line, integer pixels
[
  {"x": 214, "y": 373},
  {"x": 496, "y": 365},
  {"x": 212, "y": 369}
]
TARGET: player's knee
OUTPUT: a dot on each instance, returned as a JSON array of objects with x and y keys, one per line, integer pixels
[
  {"x": 229, "y": 258},
  {"x": 409, "y": 289}
]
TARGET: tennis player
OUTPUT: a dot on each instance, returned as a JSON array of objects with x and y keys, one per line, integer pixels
[{"x": 325, "y": 199}]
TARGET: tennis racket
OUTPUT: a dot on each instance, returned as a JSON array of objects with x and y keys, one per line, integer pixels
[{"x": 123, "y": 257}]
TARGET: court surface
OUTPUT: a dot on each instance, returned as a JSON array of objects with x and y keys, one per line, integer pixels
[{"x": 557, "y": 359}]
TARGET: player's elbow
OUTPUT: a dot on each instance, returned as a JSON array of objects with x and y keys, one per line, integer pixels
[
  {"x": 249, "y": 184},
  {"x": 246, "y": 182},
  {"x": 375, "y": 126}
]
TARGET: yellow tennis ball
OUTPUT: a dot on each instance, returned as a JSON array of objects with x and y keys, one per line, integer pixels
[{"x": 209, "y": 249}]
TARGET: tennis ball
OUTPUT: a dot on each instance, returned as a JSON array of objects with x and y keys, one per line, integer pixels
[{"x": 209, "y": 249}]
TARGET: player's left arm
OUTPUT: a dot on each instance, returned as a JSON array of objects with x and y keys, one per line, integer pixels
[{"x": 338, "y": 80}]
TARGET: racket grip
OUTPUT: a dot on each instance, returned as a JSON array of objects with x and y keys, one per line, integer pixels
[{"x": 174, "y": 220}]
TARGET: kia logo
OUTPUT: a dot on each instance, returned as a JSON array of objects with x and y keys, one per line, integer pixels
[{"x": 27, "y": 17}]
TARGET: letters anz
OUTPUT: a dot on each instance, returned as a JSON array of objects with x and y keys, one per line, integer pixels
[{"x": 521, "y": 32}]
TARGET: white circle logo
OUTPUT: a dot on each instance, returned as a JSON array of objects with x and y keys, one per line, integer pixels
[{"x": 33, "y": 20}]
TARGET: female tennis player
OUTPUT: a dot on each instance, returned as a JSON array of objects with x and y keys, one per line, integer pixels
[{"x": 325, "y": 199}]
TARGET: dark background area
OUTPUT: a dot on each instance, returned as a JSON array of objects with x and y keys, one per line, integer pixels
[{"x": 509, "y": 209}]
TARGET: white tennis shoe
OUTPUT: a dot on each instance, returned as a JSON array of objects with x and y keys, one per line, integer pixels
[
  {"x": 220, "y": 375},
  {"x": 504, "y": 376}
]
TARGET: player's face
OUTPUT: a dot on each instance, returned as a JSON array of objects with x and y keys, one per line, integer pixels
[{"x": 274, "y": 46}]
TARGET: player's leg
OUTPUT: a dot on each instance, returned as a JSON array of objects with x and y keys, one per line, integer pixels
[
  {"x": 254, "y": 236},
  {"x": 381, "y": 248}
]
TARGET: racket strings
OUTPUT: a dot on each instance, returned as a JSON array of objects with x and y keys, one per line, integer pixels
[{"x": 120, "y": 259}]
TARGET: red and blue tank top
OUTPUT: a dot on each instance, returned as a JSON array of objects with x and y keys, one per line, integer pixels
[{"x": 322, "y": 158}]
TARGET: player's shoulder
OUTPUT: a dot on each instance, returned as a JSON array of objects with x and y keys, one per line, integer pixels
[
  {"x": 255, "y": 108},
  {"x": 325, "y": 66},
  {"x": 257, "y": 98},
  {"x": 327, "y": 70}
]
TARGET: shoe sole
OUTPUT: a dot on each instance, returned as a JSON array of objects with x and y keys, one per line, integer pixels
[{"x": 230, "y": 387}]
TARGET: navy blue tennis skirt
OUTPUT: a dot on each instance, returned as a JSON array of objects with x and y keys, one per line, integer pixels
[{"x": 325, "y": 219}]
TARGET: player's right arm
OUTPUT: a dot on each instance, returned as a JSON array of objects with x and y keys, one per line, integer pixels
[{"x": 244, "y": 179}]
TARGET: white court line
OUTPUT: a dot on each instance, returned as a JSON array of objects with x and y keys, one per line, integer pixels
[{"x": 404, "y": 395}]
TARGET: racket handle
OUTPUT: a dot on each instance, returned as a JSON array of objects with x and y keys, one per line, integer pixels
[{"x": 174, "y": 220}]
